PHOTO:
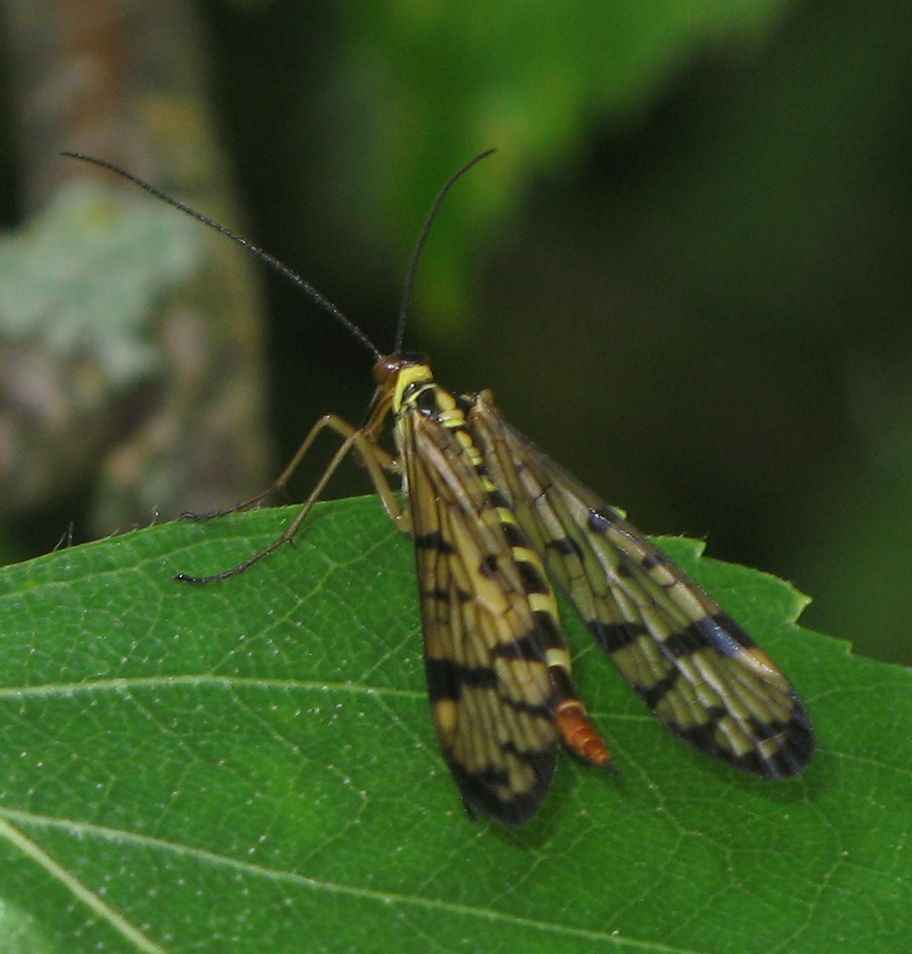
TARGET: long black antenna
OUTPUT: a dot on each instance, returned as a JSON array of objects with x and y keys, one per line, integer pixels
[
  {"x": 264, "y": 256},
  {"x": 419, "y": 245}
]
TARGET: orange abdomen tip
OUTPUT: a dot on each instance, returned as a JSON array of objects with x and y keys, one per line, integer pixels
[{"x": 579, "y": 734}]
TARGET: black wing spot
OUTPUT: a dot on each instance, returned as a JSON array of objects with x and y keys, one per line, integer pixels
[
  {"x": 624, "y": 568},
  {"x": 614, "y": 636},
  {"x": 479, "y": 789},
  {"x": 433, "y": 541},
  {"x": 724, "y": 633},
  {"x": 440, "y": 595},
  {"x": 496, "y": 498},
  {"x": 515, "y": 536},
  {"x": 653, "y": 558},
  {"x": 653, "y": 695},
  {"x": 565, "y": 546},
  {"x": 532, "y": 580},
  {"x": 527, "y": 646},
  {"x": 446, "y": 678},
  {"x": 601, "y": 521},
  {"x": 684, "y": 643}
]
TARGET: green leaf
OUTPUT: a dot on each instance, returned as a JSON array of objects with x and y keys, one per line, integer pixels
[{"x": 251, "y": 766}]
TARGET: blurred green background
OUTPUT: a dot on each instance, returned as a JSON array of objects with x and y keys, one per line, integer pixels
[{"x": 685, "y": 274}]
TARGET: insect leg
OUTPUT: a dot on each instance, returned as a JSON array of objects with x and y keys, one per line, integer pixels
[
  {"x": 375, "y": 460},
  {"x": 334, "y": 423}
]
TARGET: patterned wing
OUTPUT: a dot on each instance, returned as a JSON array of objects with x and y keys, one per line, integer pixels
[
  {"x": 486, "y": 649},
  {"x": 698, "y": 671}
]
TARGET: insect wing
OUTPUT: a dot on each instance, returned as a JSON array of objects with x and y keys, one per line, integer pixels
[
  {"x": 490, "y": 689},
  {"x": 698, "y": 671}
]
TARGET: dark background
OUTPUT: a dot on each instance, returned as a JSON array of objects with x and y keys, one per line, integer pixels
[{"x": 685, "y": 273}]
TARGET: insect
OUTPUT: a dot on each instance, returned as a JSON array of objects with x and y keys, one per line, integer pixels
[{"x": 492, "y": 518}]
